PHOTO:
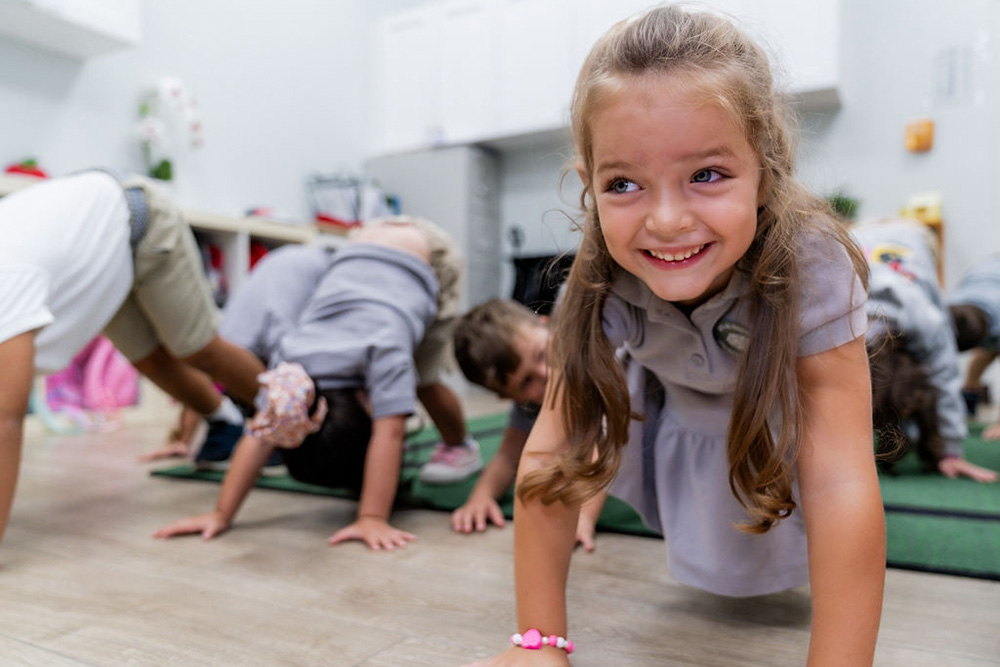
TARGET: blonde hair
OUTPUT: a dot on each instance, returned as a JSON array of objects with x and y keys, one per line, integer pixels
[{"x": 717, "y": 59}]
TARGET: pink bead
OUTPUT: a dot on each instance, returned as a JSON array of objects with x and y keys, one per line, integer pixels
[
  {"x": 531, "y": 639},
  {"x": 553, "y": 639},
  {"x": 569, "y": 646}
]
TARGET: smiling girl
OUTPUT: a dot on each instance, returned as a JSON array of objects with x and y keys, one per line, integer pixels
[{"x": 741, "y": 306}]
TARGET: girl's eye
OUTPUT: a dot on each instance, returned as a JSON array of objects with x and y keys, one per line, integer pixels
[
  {"x": 705, "y": 176},
  {"x": 621, "y": 185}
]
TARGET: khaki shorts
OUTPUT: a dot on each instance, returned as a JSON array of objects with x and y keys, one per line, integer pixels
[
  {"x": 170, "y": 302},
  {"x": 434, "y": 354}
]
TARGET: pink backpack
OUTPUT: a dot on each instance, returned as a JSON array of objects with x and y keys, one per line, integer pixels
[{"x": 99, "y": 379}]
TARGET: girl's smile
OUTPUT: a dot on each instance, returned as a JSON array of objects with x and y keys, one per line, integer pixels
[{"x": 676, "y": 186}]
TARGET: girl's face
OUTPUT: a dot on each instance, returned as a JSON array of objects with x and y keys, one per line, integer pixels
[{"x": 675, "y": 183}]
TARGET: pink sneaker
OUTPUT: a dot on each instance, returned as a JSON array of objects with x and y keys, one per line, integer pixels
[{"x": 452, "y": 464}]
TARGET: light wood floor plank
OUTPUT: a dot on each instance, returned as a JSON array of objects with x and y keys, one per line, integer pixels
[{"x": 82, "y": 582}]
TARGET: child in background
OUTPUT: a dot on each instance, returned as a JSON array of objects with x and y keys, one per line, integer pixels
[
  {"x": 736, "y": 291},
  {"x": 503, "y": 346},
  {"x": 911, "y": 341},
  {"x": 975, "y": 310},
  {"x": 262, "y": 311},
  {"x": 353, "y": 345},
  {"x": 86, "y": 253}
]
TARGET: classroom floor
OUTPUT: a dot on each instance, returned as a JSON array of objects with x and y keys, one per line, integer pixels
[{"x": 83, "y": 583}]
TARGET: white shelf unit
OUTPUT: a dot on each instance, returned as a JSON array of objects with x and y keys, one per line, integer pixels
[{"x": 232, "y": 235}]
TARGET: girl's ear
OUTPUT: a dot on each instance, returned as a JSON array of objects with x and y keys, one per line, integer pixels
[{"x": 582, "y": 174}]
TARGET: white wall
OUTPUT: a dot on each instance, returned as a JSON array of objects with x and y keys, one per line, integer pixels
[
  {"x": 893, "y": 56},
  {"x": 280, "y": 86}
]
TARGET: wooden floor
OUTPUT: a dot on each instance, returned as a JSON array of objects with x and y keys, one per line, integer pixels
[{"x": 83, "y": 583}]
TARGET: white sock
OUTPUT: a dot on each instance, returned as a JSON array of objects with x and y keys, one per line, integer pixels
[{"x": 227, "y": 412}]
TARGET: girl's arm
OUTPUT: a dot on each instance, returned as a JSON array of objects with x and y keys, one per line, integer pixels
[
  {"x": 17, "y": 359},
  {"x": 248, "y": 459},
  {"x": 378, "y": 489},
  {"x": 544, "y": 537},
  {"x": 842, "y": 506},
  {"x": 481, "y": 507}
]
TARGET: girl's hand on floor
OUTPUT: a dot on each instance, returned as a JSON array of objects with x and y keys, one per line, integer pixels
[
  {"x": 957, "y": 467},
  {"x": 519, "y": 657},
  {"x": 476, "y": 514},
  {"x": 208, "y": 525},
  {"x": 375, "y": 532}
]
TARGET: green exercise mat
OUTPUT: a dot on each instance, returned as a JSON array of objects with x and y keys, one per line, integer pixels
[
  {"x": 488, "y": 431},
  {"x": 933, "y": 524},
  {"x": 949, "y": 526}
]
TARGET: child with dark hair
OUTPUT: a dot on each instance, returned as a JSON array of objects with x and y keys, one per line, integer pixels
[
  {"x": 915, "y": 372},
  {"x": 974, "y": 305},
  {"x": 503, "y": 346},
  {"x": 343, "y": 375},
  {"x": 89, "y": 253}
]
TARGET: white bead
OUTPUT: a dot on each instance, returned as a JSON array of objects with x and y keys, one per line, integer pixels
[
  {"x": 516, "y": 639},
  {"x": 545, "y": 640},
  {"x": 561, "y": 643}
]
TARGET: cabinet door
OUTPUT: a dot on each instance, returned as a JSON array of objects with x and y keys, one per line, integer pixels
[
  {"x": 804, "y": 38},
  {"x": 536, "y": 75},
  {"x": 406, "y": 80},
  {"x": 467, "y": 70},
  {"x": 79, "y": 28}
]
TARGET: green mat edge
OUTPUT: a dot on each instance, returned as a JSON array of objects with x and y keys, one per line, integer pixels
[{"x": 617, "y": 515}]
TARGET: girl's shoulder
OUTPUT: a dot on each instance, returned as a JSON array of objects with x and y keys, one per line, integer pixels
[{"x": 832, "y": 291}]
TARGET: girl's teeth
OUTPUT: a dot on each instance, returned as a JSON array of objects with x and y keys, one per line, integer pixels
[{"x": 678, "y": 257}]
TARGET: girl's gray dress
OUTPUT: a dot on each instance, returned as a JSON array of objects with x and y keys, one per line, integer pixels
[{"x": 675, "y": 469}]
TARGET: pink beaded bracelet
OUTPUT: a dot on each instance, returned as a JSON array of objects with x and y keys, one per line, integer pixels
[{"x": 533, "y": 639}]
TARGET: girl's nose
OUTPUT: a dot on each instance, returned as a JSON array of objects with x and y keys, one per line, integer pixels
[{"x": 669, "y": 215}]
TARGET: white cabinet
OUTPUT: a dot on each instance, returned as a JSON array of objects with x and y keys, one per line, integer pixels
[
  {"x": 470, "y": 71},
  {"x": 79, "y": 28},
  {"x": 434, "y": 75}
]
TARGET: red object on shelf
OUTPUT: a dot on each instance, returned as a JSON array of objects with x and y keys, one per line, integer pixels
[
  {"x": 257, "y": 251},
  {"x": 27, "y": 168},
  {"x": 325, "y": 219}
]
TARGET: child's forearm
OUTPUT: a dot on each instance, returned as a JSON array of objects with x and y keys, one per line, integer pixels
[
  {"x": 593, "y": 507},
  {"x": 846, "y": 584},
  {"x": 11, "y": 435},
  {"x": 544, "y": 537},
  {"x": 979, "y": 361},
  {"x": 249, "y": 458},
  {"x": 17, "y": 359},
  {"x": 498, "y": 476},
  {"x": 382, "y": 465}
]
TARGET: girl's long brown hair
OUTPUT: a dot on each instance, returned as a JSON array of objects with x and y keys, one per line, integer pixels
[{"x": 718, "y": 59}]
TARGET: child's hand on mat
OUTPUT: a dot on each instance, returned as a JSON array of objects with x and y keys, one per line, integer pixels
[
  {"x": 208, "y": 525},
  {"x": 518, "y": 657},
  {"x": 992, "y": 432},
  {"x": 475, "y": 514},
  {"x": 375, "y": 532},
  {"x": 958, "y": 467},
  {"x": 176, "y": 449}
]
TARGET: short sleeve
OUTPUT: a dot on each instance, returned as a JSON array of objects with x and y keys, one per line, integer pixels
[
  {"x": 833, "y": 298},
  {"x": 23, "y": 300},
  {"x": 392, "y": 381},
  {"x": 620, "y": 322}
]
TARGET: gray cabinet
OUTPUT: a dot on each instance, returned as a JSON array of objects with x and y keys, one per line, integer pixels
[{"x": 458, "y": 188}]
